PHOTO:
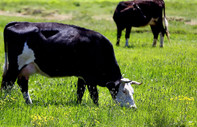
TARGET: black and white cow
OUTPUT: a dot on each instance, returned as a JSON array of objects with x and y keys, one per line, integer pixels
[
  {"x": 57, "y": 50},
  {"x": 139, "y": 13}
]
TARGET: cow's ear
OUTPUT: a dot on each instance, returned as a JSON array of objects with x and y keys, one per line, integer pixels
[
  {"x": 113, "y": 88},
  {"x": 110, "y": 85}
]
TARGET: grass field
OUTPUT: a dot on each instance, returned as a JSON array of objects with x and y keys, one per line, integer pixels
[{"x": 168, "y": 96}]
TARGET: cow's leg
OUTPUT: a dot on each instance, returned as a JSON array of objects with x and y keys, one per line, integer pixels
[
  {"x": 155, "y": 32},
  {"x": 162, "y": 30},
  {"x": 119, "y": 33},
  {"x": 161, "y": 39},
  {"x": 23, "y": 83},
  {"x": 93, "y": 93},
  {"x": 8, "y": 81},
  {"x": 80, "y": 90},
  {"x": 127, "y": 35},
  {"x": 9, "y": 77}
]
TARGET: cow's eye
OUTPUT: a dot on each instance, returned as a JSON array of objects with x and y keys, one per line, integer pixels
[{"x": 124, "y": 91}]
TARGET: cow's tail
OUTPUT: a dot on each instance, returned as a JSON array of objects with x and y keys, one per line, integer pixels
[
  {"x": 6, "y": 47},
  {"x": 166, "y": 25}
]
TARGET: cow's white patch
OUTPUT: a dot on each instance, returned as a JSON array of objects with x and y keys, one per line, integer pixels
[
  {"x": 26, "y": 57},
  {"x": 153, "y": 21},
  {"x": 125, "y": 95}
]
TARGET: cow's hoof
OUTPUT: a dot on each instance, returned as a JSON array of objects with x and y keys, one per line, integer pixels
[
  {"x": 28, "y": 101},
  {"x": 126, "y": 46}
]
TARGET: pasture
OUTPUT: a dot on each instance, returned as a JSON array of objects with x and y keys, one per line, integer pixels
[{"x": 168, "y": 96}]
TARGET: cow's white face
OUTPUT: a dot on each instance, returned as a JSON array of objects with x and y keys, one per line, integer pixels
[{"x": 125, "y": 93}]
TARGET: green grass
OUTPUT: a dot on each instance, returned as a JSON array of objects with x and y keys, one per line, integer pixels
[{"x": 168, "y": 96}]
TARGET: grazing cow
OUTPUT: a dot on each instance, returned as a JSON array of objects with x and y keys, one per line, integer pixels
[
  {"x": 139, "y": 13},
  {"x": 57, "y": 50}
]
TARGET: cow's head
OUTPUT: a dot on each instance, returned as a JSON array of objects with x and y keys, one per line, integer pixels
[{"x": 122, "y": 92}]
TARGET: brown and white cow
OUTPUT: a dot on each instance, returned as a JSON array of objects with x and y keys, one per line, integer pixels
[
  {"x": 139, "y": 13},
  {"x": 58, "y": 50}
]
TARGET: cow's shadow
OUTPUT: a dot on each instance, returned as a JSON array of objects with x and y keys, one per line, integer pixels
[
  {"x": 133, "y": 45},
  {"x": 130, "y": 46},
  {"x": 71, "y": 102},
  {"x": 54, "y": 102}
]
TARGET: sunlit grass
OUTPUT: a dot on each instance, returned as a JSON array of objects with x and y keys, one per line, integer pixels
[{"x": 166, "y": 98}]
